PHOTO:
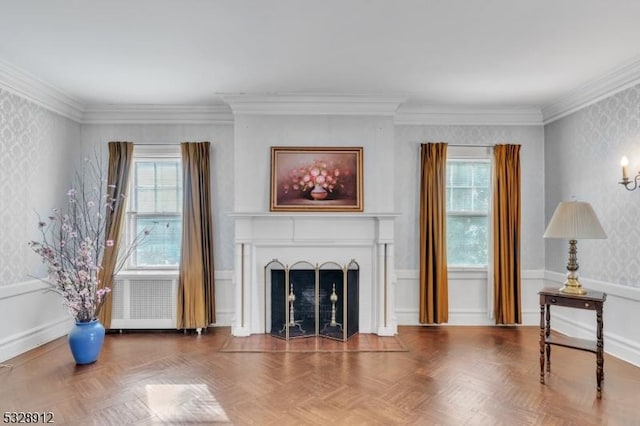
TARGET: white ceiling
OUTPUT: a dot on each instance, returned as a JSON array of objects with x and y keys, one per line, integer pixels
[{"x": 190, "y": 52}]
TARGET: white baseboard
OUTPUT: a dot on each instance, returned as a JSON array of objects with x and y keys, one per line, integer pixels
[
  {"x": 224, "y": 318},
  {"x": 20, "y": 343},
  {"x": 31, "y": 316},
  {"x": 614, "y": 344}
]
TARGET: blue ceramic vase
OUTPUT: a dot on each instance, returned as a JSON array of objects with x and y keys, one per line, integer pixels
[{"x": 85, "y": 341}]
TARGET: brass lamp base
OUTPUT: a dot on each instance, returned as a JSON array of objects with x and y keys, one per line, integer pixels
[{"x": 572, "y": 286}]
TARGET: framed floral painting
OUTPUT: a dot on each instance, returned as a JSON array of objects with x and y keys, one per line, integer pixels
[{"x": 316, "y": 179}]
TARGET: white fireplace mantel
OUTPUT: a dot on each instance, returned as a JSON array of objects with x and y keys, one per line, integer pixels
[{"x": 366, "y": 238}]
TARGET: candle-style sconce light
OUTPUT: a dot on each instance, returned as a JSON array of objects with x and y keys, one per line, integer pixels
[{"x": 624, "y": 162}]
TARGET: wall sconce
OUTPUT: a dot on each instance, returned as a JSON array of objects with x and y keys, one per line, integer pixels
[{"x": 625, "y": 175}]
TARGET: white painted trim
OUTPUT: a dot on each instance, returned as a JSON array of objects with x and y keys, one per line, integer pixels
[
  {"x": 39, "y": 92},
  {"x": 224, "y": 318},
  {"x": 314, "y": 104},
  {"x": 616, "y": 290},
  {"x": 426, "y": 115},
  {"x": 17, "y": 344},
  {"x": 224, "y": 275},
  {"x": 614, "y": 344},
  {"x": 169, "y": 274},
  {"x": 469, "y": 274},
  {"x": 465, "y": 318},
  {"x": 532, "y": 278},
  {"x": 25, "y": 287},
  {"x": 615, "y": 81},
  {"x": 162, "y": 114},
  {"x": 31, "y": 88},
  {"x": 164, "y": 151}
]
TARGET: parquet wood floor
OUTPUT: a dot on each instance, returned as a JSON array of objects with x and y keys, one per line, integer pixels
[{"x": 448, "y": 376}]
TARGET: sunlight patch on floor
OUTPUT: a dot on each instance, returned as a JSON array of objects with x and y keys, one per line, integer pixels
[{"x": 184, "y": 403}]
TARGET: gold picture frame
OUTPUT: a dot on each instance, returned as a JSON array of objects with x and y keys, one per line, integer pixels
[{"x": 316, "y": 179}]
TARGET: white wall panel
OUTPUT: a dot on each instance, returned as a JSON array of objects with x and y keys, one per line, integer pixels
[
  {"x": 619, "y": 317},
  {"x": 31, "y": 316},
  {"x": 469, "y": 297}
]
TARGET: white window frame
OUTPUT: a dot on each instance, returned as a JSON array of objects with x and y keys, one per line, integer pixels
[
  {"x": 150, "y": 153},
  {"x": 475, "y": 153}
]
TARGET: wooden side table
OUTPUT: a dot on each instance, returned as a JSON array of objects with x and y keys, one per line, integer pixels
[{"x": 593, "y": 301}]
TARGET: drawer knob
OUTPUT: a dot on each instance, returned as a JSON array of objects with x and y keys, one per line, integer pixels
[
  {"x": 586, "y": 305},
  {"x": 553, "y": 300}
]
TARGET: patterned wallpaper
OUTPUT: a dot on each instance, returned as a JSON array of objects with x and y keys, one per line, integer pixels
[
  {"x": 37, "y": 150},
  {"x": 407, "y": 183},
  {"x": 582, "y": 160}
]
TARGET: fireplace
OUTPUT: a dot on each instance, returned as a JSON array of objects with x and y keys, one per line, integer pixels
[
  {"x": 331, "y": 241},
  {"x": 306, "y": 300}
]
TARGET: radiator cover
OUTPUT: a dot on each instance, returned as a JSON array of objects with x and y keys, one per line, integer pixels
[{"x": 144, "y": 302}]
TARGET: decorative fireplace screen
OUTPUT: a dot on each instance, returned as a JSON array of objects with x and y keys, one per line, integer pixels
[{"x": 304, "y": 300}]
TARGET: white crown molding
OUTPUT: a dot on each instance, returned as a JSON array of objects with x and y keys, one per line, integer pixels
[
  {"x": 314, "y": 104},
  {"x": 619, "y": 79},
  {"x": 416, "y": 114},
  {"x": 160, "y": 114},
  {"x": 37, "y": 91}
]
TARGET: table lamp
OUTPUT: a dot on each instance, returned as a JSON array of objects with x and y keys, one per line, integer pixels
[{"x": 574, "y": 220}]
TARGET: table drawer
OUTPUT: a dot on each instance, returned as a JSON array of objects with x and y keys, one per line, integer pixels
[{"x": 570, "y": 303}]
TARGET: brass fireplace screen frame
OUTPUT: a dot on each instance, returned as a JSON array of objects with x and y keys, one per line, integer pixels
[{"x": 335, "y": 303}]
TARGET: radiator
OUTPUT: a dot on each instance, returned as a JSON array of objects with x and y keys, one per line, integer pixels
[{"x": 144, "y": 302}]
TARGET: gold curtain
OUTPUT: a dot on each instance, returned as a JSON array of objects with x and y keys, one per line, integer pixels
[
  {"x": 434, "y": 297},
  {"x": 120, "y": 158},
  {"x": 196, "y": 295},
  {"x": 506, "y": 234}
]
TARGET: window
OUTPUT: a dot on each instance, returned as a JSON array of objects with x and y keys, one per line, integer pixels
[
  {"x": 468, "y": 195},
  {"x": 155, "y": 203}
]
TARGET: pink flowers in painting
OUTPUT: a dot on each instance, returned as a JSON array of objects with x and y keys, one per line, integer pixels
[{"x": 325, "y": 174}]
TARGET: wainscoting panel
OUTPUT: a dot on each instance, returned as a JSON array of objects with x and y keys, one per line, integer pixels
[
  {"x": 31, "y": 316},
  {"x": 470, "y": 297},
  {"x": 620, "y": 318}
]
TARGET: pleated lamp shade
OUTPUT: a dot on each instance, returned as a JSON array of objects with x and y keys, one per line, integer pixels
[{"x": 574, "y": 220}]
